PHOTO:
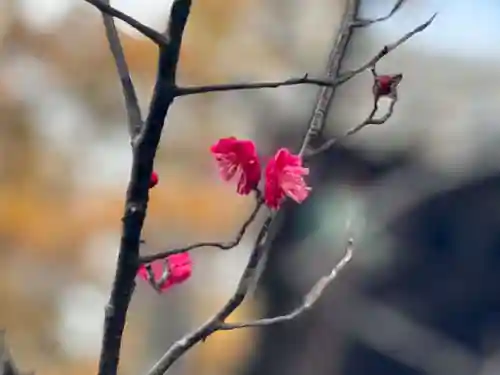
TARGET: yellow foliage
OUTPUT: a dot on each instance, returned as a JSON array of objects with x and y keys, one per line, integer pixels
[
  {"x": 210, "y": 23},
  {"x": 37, "y": 223}
]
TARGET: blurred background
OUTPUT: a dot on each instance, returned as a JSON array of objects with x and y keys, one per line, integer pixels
[{"x": 422, "y": 192}]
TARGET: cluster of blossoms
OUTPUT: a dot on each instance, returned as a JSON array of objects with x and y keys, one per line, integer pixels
[
  {"x": 236, "y": 159},
  {"x": 284, "y": 172}
]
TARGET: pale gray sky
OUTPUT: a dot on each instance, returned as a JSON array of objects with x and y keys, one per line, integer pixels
[{"x": 464, "y": 27}]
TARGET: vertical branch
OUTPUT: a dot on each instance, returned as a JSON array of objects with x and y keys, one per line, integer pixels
[
  {"x": 317, "y": 121},
  {"x": 144, "y": 146},
  {"x": 134, "y": 116},
  {"x": 337, "y": 54},
  {"x": 152, "y": 34}
]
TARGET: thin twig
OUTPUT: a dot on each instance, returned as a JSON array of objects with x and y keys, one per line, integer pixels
[
  {"x": 367, "y": 22},
  {"x": 369, "y": 120},
  {"x": 325, "y": 96},
  {"x": 183, "y": 91},
  {"x": 309, "y": 300},
  {"x": 152, "y": 34},
  {"x": 131, "y": 102},
  {"x": 144, "y": 151},
  {"x": 157, "y": 284},
  {"x": 385, "y": 51},
  {"x": 220, "y": 245}
]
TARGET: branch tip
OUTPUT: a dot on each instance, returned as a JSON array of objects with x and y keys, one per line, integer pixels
[
  {"x": 310, "y": 298},
  {"x": 368, "y": 22},
  {"x": 220, "y": 245},
  {"x": 152, "y": 34}
]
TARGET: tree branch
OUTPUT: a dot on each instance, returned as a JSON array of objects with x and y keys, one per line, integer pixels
[
  {"x": 183, "y": 345},
  {"x": 134, "y": 116},
  {"x": 309, "y": 300},
  {"x": 369, "y": 120},
  {"x": 152, "y": 34},
  {"x": 367, "y": 22},
  {"x": 219, "y": 245},
  {"x": 385, "y": 51},
  {"x": 144, "y": 151},
  {"x": 183, "y": 91},
  {"x": 323, "y": 82},
  {"x": 325, "y": 96}
]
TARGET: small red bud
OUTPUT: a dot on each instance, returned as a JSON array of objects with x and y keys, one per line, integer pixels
[
  {"x": 386, "y": 85},
  {"x": 153, "y": 181}
]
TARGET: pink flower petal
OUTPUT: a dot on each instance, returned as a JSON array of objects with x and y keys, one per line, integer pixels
[
  {"x": 238, "y": 159},
  {"x": 178, "y": 266},
  {"x": 285, "y": 177}
]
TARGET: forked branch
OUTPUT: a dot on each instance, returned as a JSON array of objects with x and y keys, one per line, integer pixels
[
  {"x": 134, "y": 117},
  {"x": 385, "y": 51},
  {"x": 201, "y": 333},
  {"x": 147, "y": 31},
  {"x": 369, "y": 120},
  {"x": 367, "y": 22},
  {"x": 309, "y": 300},
  {"x": 220, "y": 245}
]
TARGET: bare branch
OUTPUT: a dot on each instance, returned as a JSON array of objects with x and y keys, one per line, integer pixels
[
  {"x": 325, "y": 96},
  {"x": 136, "y": 203},
  {"x": 183, "y": 345},
  {"x": 368, "y": 22},
  {"x": 310, "y": 299},
  {"x": 328, "y": 82},
  {"x": 157, "y": 284},
  {"x": 385, "y": 51},
  {"x": 131, "y": 102},
  {"x": 370, "y": 120},
  {"x": 219, "y": 245},
  {"x": 183, "y": 91},
  {"x": 152, "y": 34}
]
